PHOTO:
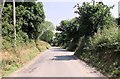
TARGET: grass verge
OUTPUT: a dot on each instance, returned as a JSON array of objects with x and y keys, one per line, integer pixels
[{"x": 11, "y": 60}]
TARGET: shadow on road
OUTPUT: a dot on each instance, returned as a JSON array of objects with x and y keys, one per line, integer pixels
[
  {"x": 58, "y": 49},
  {"x": 65, "y": 57}
]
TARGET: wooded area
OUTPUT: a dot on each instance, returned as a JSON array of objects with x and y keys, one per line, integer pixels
[
  {"x": 94, "y": 36},
  {"x": 31, "y": 30}
]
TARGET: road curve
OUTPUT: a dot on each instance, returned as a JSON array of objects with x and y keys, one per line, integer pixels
[{"x": 56, "y": 62}]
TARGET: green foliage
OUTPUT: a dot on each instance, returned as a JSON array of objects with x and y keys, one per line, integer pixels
[
  {"x": 107, "y": 38},
  {"x": 47, "y": 31},
  {"x": 101, "y": 38},
  {"x": 33, "y": 17},
  {"x": 102, "y": 51},
  {"x": 95, "y": 36},
  {"x": 93, "y": 16},
  {"x": 47, "y": 36},
  {"x": 69, "y": 30},
  {"x": 29, "y": 17},
  {"x": 58, "y": 39}
]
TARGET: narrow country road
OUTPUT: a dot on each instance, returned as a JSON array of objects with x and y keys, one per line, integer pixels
[{"x": 56, "y": 62}]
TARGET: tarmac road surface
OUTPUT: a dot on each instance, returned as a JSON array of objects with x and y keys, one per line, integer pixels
[{"x": 56, "y": 62}]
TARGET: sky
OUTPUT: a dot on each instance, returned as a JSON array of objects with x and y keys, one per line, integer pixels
[{"x": 57, "y": 10}]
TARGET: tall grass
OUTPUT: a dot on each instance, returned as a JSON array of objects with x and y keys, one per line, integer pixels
[{"x": 11, "y": 60}]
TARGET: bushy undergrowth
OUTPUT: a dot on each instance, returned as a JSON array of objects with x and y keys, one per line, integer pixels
[
  {"x": 11, "y": 60},
  {"x": 102, "y": 51},
  {"x": 106, "y": 39},
  {"x": 96, "y": 37},
  {"x": 30, "y": 27}
]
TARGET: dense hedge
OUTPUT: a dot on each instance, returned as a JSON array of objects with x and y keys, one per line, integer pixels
[
  {"x": 102, "y": 51},
  {"x": 94, "y": 36}
]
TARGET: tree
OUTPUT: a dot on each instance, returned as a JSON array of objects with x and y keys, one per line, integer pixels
[
  {"x": 47, "y": 31},
  {"x": 93, "y": 16},
  {"x": 34, "y": 16},
  {"x": 69, "y": 33},
  {"x": 29, "y": 17}
]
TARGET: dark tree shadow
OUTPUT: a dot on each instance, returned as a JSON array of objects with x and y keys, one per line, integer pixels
[
  {"x": 58, "y": 49},
  {"x": 65, "y": 57}
]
